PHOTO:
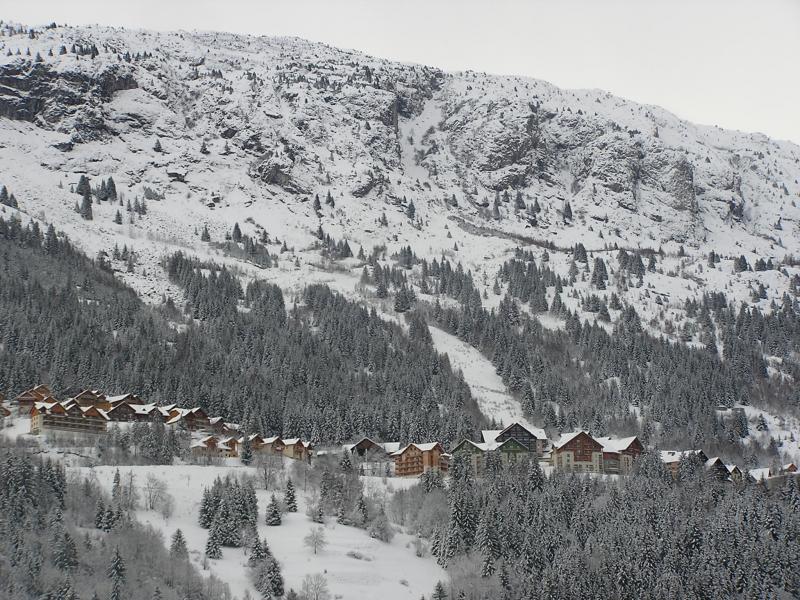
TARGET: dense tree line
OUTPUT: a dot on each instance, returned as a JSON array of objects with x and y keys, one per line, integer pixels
[
  {"x": 51, "y": 547},
  {"x": 327, "y": 370},
  {"x": 518, "y": 534},
  {"x": 587, "y": 377}
]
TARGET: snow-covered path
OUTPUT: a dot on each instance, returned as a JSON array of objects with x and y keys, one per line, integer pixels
[{"x": 486, "y": 385}]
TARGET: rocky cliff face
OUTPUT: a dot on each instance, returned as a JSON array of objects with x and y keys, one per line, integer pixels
[{"x": 254, "y": 128}]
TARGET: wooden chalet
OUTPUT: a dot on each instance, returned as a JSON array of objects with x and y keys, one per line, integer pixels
[
  {"x": 4, "y": 412},
  {"x": 91, "y": 398},
  {"x": 717, "y": 469},
  {"x": 25, "y": 401},
  {"x": 273, "y": 445},
  {"x": 213, "y": 446},
  {"x": 672, "y": 459},
  {"x": 620, "y": 453},
  {"x": 578, "y": 452},
  {"x": 148, "y": 413},
  {"x": 735, "y": 473},
  {"x": 416, "y": 459},
  {"x": 364, "y": 446},
  {"x": 131, "y": 399},
  {"x": 192, "y": 419},
  {"x": 256, "y": 442},
  {"x": 68, "y": 417},
  {"x": 297, "y": 449},
  {"x": 533, "y": 438},
  {"x": 509, "y": 452},
  {"x": 373, "y": 458},
  {"x": 122, "y": 412}
]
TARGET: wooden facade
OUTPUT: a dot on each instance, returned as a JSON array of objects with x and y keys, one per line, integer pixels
[
  {"x": 508, "y": 452},
  {"x": 535, "y": 441},
  {"x": 297, "y": 449},
  {"x": 672, "y": 459},
  {"x": 578, "y": 452},
  {"x": 25, "y": 401},
  {"x": 91, "y": 398},
  {"x": 619, "y": 454},
  {"x": 66, "y": 417},
  {"x": 215, "y": 447},
  {"x": 4, "y": 412},
  {"x": 122, "y": 412},
  {"x": 416, "y": 459}
]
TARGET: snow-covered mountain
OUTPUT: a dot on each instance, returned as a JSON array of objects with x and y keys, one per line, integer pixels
[{"x": 251, "y": 129}]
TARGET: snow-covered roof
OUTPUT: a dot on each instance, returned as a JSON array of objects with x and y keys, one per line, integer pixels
[
  {"x": 291, "y": 441},
  {"x": 272, "y": 440},
  {"x": 673, "y": 456},
  {"x": 427, "y": 446},
  {"x": 536, "y": 431},
  {"x": 611, "y": 444},
  {"x": 568, "y": 437},
  {"x": 424, "y": 447},
  {"x": 143, "y": 409},
  {"x": 391, "y": 447},
  {"x": 759, "y": 474},
  {"x": 490, "y": 435}
]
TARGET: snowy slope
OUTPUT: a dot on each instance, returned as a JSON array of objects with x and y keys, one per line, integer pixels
[
  {"x": 284, "y": 120},
  {"x": 390, "y": 571}
]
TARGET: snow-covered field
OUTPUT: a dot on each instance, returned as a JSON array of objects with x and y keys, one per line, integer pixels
[{"x": 387, "y": 571}]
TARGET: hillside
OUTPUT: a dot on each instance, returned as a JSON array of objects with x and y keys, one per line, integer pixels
[{"x": 264, "y": 142}]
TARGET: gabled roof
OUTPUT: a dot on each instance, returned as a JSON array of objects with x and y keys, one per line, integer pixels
[
  {"x": 39, "y": 392},
  {"x": 482, "y": 446},
  {"x": 568, "y": 437},
  {"x": 391, "y": 447},
  {"x": 490, "y": 435},
  {"x": 128, "y": 398},
  {"x": 425, "y": 447},
  {"x": 273, "y": 439},
  {"x": 673, "y": 456},
  {"x": 762, "y": 473},
  {"x": 535, "y": 431},
  {"x": 93, "y": 411},
  {"x": 616, "y": 444}
]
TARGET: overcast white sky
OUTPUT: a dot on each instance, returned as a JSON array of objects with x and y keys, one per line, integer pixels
[{"x": 733, "y": 63}]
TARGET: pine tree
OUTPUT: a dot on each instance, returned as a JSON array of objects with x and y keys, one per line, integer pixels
[
  {"x": 246, "y": 455},
  {"x": 100, "y": 514},
  {"x": 65, "y": 556},
  {"x": 567, "y": 212},
  {"x": 177, "y": 548},
  {"x": 438, "y": 592},
  {"x": 157, "y": 146},
  {"x": 237, "y": 233},
  {"x": 116, "y": 572},
  {"x": 86, "y": 205},
  {"x": 275, "y": 578},
  {"x": 213, "y": 544},
  {"x": 205, "y": 236},
  {"x": 273, "y": 512},
  {"x": 111, "y": 190},
  {"x": 289, "y": 497},
  {"x": 411, "y": 210},
  {"x": 118, "y": 218}
]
